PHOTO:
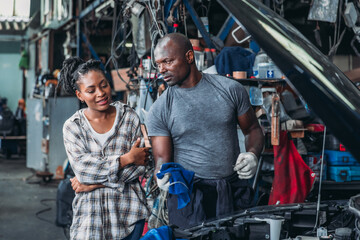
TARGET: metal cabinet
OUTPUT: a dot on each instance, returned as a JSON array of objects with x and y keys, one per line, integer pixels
[{"x": 45, "y": 119}]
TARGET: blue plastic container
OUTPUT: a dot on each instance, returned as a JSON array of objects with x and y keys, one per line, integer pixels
[
  {"x": 344, "y": 173},
  {"x": 339, "y": 158}
]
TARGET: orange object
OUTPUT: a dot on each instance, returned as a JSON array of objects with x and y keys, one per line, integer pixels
[
  {"x": 59, "y": 173},
  {"x": 275, "y": 120},
  {"x": 51, "y": 81},
  {"x": 239, "y": 74},
  {"x": 21, "y": 104},
  {"x": 145, "y": 135}
]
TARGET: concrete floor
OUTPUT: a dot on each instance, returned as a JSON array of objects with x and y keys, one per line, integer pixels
[{"x": 27, "y": 204}]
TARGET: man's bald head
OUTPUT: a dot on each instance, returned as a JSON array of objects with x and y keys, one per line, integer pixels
[
  {"x": 180, "y": 40},
  {"x": 174, "y": 57}
]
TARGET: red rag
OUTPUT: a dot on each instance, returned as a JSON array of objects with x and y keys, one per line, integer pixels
[{"x": 293, "y": 179}]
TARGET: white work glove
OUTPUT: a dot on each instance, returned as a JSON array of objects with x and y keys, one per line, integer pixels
[
  {"x": 246, "y": 165},
  {"x": 164, "y": 183}
]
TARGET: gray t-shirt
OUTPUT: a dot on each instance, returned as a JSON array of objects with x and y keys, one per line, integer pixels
[{"x": 202, "y": 122}]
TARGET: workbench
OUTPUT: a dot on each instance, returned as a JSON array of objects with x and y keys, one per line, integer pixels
[{"x": 12, "y": 145}]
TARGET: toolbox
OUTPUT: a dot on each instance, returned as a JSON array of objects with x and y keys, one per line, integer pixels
[
  {"x": 339, "y": 158},
  {"x": 343, "y": 173}
]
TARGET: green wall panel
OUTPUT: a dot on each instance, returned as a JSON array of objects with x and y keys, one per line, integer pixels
[{"x": 10, "y": 78}]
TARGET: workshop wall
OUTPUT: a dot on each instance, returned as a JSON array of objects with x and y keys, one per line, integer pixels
[{"x": 10, "y": 74}]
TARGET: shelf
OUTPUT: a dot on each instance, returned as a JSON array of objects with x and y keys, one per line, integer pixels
[
  {"x": 332, "y": 185},
  {"x": 13, "y": 137},
  {"x": 265, "y": 80}
]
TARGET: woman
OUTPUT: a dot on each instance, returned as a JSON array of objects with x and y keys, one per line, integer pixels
[{"x": 102, "y": 143}]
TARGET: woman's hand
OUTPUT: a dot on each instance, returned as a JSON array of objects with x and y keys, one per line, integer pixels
[
  {"x": 136, "y": 155},
  {"x": 79, "y": 187}
]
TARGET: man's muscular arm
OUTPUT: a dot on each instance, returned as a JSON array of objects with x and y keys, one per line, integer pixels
[
  {"x": 162, "y": 151},
  {"x": 254, "y": 137},
  {"x": 246, "y": 163}
]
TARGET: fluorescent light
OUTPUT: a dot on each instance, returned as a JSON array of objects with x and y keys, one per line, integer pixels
[
  {"x": 15, "y": 8},
  {"x": 128, "y": 45},
  {"x": 7, "y": 9},
  {"x": 22, "y": 8}
]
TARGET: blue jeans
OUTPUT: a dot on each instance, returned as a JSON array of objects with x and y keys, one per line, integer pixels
[{"x": 137, "y": 232}]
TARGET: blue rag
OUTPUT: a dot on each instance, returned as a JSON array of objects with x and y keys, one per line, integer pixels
[
  {"x": 161, "y": 233},
  {"x": 181, "y": 182},
  {"x": 234, "y": 59}
]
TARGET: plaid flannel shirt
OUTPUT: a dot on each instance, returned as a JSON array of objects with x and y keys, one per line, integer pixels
[{"x": 110, "y": 212}]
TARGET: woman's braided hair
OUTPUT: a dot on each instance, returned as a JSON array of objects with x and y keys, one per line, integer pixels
[{"x": 73, "y": 69}]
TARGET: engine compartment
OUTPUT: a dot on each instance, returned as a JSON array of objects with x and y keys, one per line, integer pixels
[{"x": 338, "y": 219}]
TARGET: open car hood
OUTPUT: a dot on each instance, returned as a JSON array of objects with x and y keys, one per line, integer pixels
[{"x": 325, "y": 88}]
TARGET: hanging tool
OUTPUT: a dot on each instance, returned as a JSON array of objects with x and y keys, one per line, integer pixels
[
  {"x": 317, "y": 35},
  {"x": 133, "y": 7},
  {"x": 275, "y": 120},
  {"x": 183, "y": 17},
  {"x": 172, "y": 19}
]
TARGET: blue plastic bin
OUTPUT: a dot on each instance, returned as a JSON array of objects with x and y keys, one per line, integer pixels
[
  {"x": 344, "y": 173},
  {"x": 339, "y": 158}
]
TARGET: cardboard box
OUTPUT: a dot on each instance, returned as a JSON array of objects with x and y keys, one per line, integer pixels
[{"x": 120, "y": 85}]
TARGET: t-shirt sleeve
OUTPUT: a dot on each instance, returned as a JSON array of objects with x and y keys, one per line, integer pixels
[
  {"x": 241, "y": 98},
  {"x": 155, "y": 121}
]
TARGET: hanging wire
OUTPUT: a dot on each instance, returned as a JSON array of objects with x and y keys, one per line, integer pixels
[
  {"x": 157, "y": 29},
  {"x": 113, "y": 38},
  {"x": 154, "y": 36},
  {"x": 208, "y": 9},
  {"x": 337, "y": 36},
  {"x": 152, "y": 14},
  {"x": 204, "y": 10},
  {"x": 339, "y": 18},
  {"x": 182, "y": 10},
  {"x": 122, "y": 28},
  {"x": 278, "y": 7}
]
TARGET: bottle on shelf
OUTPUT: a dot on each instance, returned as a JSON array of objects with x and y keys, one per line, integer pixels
[
  {"x": 199, "y": 58},
  {"x": 141, "y": 70},
  {"x": 147, "y": 67},
  {"x": 213, "y": 52},
  {"x": 260, "y": 65},
  {"x": 205, "y": 21},
  {"x": 208, "y": 58},
  {"x": 264, "y": 67}
]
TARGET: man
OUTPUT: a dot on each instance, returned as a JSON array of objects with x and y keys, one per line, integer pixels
[{"x": 194, "y": 123}]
